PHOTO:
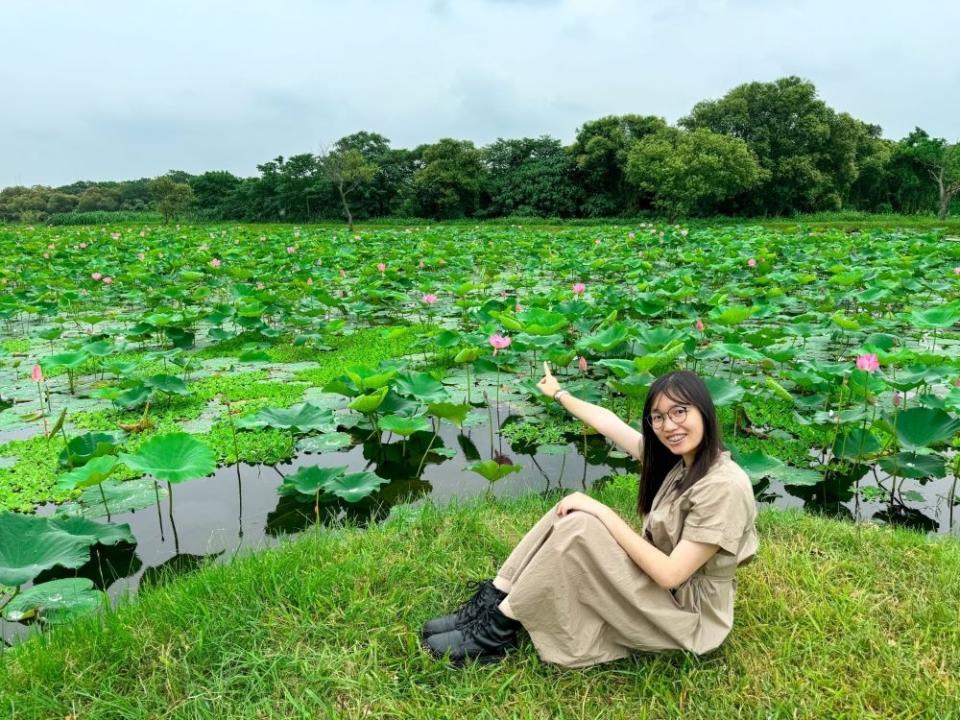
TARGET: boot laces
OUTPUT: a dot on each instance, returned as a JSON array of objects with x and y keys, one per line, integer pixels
[{"x": 476, "y": 603}]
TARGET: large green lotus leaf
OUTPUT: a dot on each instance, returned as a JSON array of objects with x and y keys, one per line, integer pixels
[
  {"x": 121, "y": 496},
  {"x": 467, "y": 355},
  {"x": 733, "y": 315},
  {"x": 758, "y": 465},
  {"x": 404, "y": 426},
  {"x": 855, "y": 443},
  {"x": 632, "y": 385},
  {"x": 55, "y": 602},
  {"x": 133, "y": 397},
  {"x": 342, "y": 386},
  {"x": 422, "y": 386},
  {"x": 541, "y": 342},
  {"x": 538, "y": 321},
  {"x": 83, "y": 448},
  {"x": 168, "y": 384},
  {"x": 355, "y": 486},
  {"x": 309, "y": 480},
  {"x": 29, "y": 546},
  {"x": 452, "y": 412},
  {"x": 301, "y": 418},
  {"x": 606, "y": 340},
  {"x": 620, "y": 367},
  {"x": 173, "y": 457},
  {"x": 368, "y": 403},
  {"x": 89, "y": 532},
  {"x": 328, "y": 442},
  {"x": 723, "y": 392},
  {"x": 367, "y": 378},
  {"x": 913, "y": 465},
  {"x": 95, "y": 471},
  {"x": 493, "y": 471},
  {"x": 69, "y": 360},
  {"x": 942, "y": 316},
  {"x": 719, "y": 351},
  {"x": 924, "y": 427},
  {"x": 658, "y": 338}
]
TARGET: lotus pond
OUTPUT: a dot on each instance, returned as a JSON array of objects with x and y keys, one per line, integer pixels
[{"x": 170, "y": 394}]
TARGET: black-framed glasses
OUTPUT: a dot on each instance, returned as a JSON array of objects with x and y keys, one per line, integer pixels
[{"x": 678, "y": 413}]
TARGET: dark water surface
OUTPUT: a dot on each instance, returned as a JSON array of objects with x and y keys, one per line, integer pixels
[{"x": 238, "y": 507}]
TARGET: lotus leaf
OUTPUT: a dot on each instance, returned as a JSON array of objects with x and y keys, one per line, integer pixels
[
  {"x": 168, "y": 384},
  {"x": 913, "y": 465},
  {"x": 368, "y": 403},
  {"x": 924, "y": 427},
  {"x": 354, "y": 487},
  {"x": 422, "y": 386},
  {"x": 493, "y": 471},
  {"x": 453, "y": 412},
  {"x": 56, "y": 602},
  {"x": 404, "y": 426},
  {"x": 723, "y": 392},
  {"x": 299, "y": 418},
  {"x": 94, "y": 472},
  {"x": 173, "y": 457}
]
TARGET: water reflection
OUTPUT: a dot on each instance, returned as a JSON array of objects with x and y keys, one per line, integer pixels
[{"x": 238, "y": 507}]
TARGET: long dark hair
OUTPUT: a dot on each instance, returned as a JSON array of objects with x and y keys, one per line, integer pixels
[{"x": 688, "y": 388}]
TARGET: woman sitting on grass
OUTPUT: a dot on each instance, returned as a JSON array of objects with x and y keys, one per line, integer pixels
[{"x": 585, "y": 586}]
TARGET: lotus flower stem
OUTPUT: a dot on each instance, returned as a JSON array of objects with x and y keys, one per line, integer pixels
[
  {"x": 156, "y": 491},
  {"x": 436, "y": 431},
  {"x": 104, "y": 497},
  {"x": 176, "y": 537}
]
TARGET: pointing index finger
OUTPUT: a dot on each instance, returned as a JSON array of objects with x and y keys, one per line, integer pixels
[{"x": 546, "y": 368}]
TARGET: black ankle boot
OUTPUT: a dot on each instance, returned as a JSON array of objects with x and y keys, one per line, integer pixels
[
  {"x": 486, "y": 638},
  {"x": 486, "y": 594}
]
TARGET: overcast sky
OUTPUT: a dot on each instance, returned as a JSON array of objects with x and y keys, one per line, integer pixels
[{"x": 103, "y": 90}]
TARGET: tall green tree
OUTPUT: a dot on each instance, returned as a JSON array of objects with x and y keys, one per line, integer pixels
[
  {"x": 600, "y": 152},
  {"x": 531, "y": 176},
  {"x": 808, "y": 149},
  {"x": 449, "y": 182},
  {"x": 347, "y": 169},
  {"x": 690, "y": 172},
  {"x": 941, "y": 162},
  {"x": 215, "y": 193},
  {"x": 171, "y": 198}
]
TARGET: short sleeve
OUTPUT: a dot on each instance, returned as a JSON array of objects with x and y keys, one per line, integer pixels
[{"x": 718, "y": 515}]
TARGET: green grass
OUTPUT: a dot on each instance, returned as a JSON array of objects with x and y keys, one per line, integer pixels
[{"x": 832, "y": 620}]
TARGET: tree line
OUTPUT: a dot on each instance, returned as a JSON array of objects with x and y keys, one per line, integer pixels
[{"x": 764, "y": 148}]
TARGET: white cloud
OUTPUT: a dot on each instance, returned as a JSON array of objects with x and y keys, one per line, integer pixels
[{"x": 113, "y": 90}]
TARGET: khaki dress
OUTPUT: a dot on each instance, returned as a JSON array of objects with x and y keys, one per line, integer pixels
[{"x": 583, "y": 600}]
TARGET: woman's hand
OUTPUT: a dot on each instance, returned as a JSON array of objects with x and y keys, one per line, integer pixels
[
  {"x": 548, "y": 383},
  {"x": 579, "y": 501}
]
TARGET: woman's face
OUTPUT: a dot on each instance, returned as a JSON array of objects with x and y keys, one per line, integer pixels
[{"x": 678, "y": 425}]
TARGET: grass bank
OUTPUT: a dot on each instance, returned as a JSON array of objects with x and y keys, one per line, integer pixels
[{"x": 832, "y": 620}]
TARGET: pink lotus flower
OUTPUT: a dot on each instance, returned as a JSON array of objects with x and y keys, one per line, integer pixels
[
  {"x": 309, "y": 281},
  {"x": 956, "y": 270},
  {"x": 596, "y": 241},
  {"x": 115, "y": 235},
  {"x": 956, "y": 382},
  {"x": 699, "y": 325},
  {"x": 499, "y": 342},
  {"x": 343, "y": 273},
  {"x": 51, "y": 246},
  {"x": 751, "y": 262},
  {"x": 429, "y": 298},
  {"x": 582, "y": 364},
  {"x": 421, "y": 264},
  {"x": 140, "y": 256},
  {"x": 46, "y": 255},
  {"x": 518, "y": 308},
  {"x": 143, "y": 233},
  {"x": 896, "y": 398},
  {"x": 107, "y": 280},
  {"x": 868, "y": 362},
  {"x": 83, "y": 246},
  {"x": 215, "y": 263},
  {"x": 96, "y": 275},
  {"x": 382, "y": 267},
  {"x": 291, "y": 249},
  {"x": 578, "y": 288},
  {"x": 36, "y": 374}
]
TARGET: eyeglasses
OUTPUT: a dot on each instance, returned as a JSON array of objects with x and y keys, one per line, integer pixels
[{"x": 678, "y": 413}]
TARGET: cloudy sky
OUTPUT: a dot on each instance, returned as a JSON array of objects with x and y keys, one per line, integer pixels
[{"x": 104, "y": 90}]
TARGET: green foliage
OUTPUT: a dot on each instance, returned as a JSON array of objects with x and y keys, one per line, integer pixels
[{"x": 689, "y": 173}]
